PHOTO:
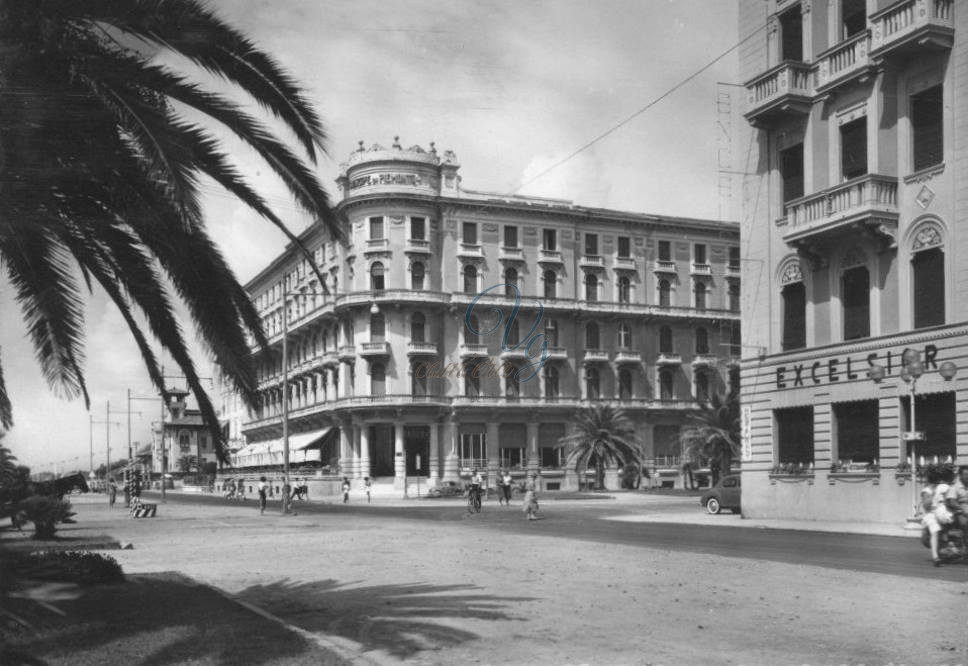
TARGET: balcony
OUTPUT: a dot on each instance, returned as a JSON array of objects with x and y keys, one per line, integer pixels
[
  {"x": 868, "y": 202},
  {"x": 701, "y": 269},
  {"x": 557, "y": 354},
  {"x": 667, "y": 359},
  {"x": 704, "y": 361},
  {"x": 664, "y": 266},
  {"x": 592, "y": 261},
  {"x": 510, "y": 254},
  {"x": 422, "y": 349},
  {"x": 347, "y": 353},
  {"x": 624, "y": 264},
  {"x": 417, "y": 246},
  {"x": 626, "y": 356},
  {"x": 911, "y": 26},
  {"x": 330, "y": 359},
  {"x": 846, "y": 62},
  {"x": 473, "y": 351},
  {"x": 596, "y": 356},
  {"x": 470, "y": 250},
  {"x": 516, "y": 353},
  {"x": 780, "y": 93},
  {"x": 373, "y": 349},
  {"x": 374, "y": 245},
  {"x": 732, "y": 271},
  {"x": 550, "y": 257}
]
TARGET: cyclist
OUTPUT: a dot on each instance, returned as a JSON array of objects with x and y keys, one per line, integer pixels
[{"x": 474, "y": 490}]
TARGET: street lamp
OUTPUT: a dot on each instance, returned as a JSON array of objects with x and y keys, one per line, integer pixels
[{"x": 912, "y": 369}]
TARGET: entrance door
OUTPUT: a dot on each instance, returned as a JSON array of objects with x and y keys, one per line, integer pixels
[
  {"x": 381, "y": 450},
  {"x": 416, "y": 442}
]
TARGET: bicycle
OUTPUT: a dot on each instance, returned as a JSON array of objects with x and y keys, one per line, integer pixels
[{"x": 473, "y": 500}]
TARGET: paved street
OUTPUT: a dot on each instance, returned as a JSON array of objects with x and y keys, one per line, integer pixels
[{"x": 423, "y": 582}]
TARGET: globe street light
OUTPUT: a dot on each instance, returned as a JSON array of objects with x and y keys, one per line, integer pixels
[{"x": 912, "y": 369}]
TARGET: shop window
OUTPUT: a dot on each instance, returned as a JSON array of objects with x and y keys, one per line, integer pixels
[
  {"x": 624, "y": 247},
  {"x": 418, "y": 228},
  {"x": 376, "y": 228},
  {"x": 511, "y": 457},
  {"x": 549, "y": 448},
  {"x": 418, "y": 324},
  {"x": 794, "y": 306},
  {"x": 665, "y": 293},
  {"x": 510, "y": 236},
  {"x": 624, "y": 289},
  {"x": 858, "y": 428},
  {"x": 511, "y": 283},
  {"x": 591, "y": 336},
  {"x": 794, "y": 435},
  {"x": 667, "y": 387},
  {"x": 853, "y": 148},
  {"x": 936, "y": 416},
  {"x": 551, "y": 457},
  {"x": 550, "y": 284},
  {"x": 592, "y": 384},
  {"x": 791, "y": 34},
  {"x": 665, "y": 340},
  {"x": 927, "y": 130},
  {"x": 791, "y": 172},
  {"x": 702, "y": 341},
  {"x": 927, "y": 272},
  {"x": 855, "y": 294},
  {"x": 666, "y": 446},
  {"x": 473, "y": 450},
  {"x": 377, "y": 277},
  {"x": 378, "y": 379},
  {"x": 417, "y": 276}
]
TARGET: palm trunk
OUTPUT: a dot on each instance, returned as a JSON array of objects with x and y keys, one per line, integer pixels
[{"x": 599, "y": 476}]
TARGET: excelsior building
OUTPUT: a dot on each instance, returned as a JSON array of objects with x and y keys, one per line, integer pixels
[
  {"x": 425, "y": 358},
  {"x": 855, "y": 206}
]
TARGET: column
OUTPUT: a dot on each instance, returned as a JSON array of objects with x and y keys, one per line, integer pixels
[
  {"x": 434, "y": 454},
  {"x": 399, "y": 459},
  {"x": 345, "y": 447},
  {"x": 364, "y": 466},
  {"x": 493, "y": 452},
  {"x": 451, "y": 462},
  {"x": 533, "y": 460},
  {"x": 360, "y": 432}
]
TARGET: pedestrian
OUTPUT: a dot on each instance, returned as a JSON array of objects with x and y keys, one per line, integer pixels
[
  {"x": 531, "y": 498},
  {"x": 505, "y": 482},
  {"x": 346, "y": 490},
  {"x": 366, "y": 486},
  {"x": 263, "y": 496},
  {"x": 286, "y": 494},
  {"x": 112, "y": 493}
]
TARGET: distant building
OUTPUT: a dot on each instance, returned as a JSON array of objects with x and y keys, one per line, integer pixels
[
  {"x": 855, "y": 207},
  {"x": 183, "y": 434},
  {"x": 405, "y": 369}
]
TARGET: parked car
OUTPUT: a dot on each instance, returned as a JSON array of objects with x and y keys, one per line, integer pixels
[{"x": 724, "y": 495}]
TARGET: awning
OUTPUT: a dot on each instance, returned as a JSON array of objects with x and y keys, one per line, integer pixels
[{"x": 307, "y": 440}]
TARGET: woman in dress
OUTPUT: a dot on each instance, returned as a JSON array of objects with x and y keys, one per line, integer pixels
[{"x": 531, "y": 498}]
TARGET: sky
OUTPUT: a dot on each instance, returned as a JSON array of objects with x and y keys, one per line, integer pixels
[{"x": 512, "y": 86}]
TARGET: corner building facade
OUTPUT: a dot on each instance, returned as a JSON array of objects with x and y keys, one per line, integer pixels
[
  {"x": 418, "y": 364},
  {"x": 854, "y": 222}
]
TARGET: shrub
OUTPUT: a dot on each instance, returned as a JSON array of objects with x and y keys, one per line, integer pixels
[
  {"x": 44, "y": 512},
  {"x": 70, "y": 567}
]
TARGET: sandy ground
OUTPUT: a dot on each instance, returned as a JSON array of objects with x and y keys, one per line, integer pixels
[{"x": 420, "y": 592}]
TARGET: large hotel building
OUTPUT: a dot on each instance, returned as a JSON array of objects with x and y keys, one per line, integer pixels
[
  {"x": 855, "y": 205},
  {"x": 417, "y": 362}
]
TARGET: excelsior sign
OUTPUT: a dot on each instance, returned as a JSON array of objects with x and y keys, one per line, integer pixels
[{"x": 838, "y": 369}]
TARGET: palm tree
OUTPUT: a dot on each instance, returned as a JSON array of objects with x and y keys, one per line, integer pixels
[
  {"x": 101, "y": 157},
  {"x": 602, "y": 436},
  {"x": 713, "y": 434}
]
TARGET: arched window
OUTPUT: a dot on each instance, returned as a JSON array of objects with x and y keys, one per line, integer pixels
[
  {"x": 470, "y": 279},
  {"x": 927, "y": 277},
  {"x": 624, "y": 289},
  {"x": 378, "y": 328},
  {"x": 624, "y": 336},
  {"x": 702, "y": 341},
  {"x": 417, "y": 275},
  {"x": 592, "y": 384},
  {"x": 666, "y": 384},
  {"x": 856, "y": 300},
  {"x": 665, "y": 293},
  {"x": 701, "y": 293},
  {"x": 665, "y": 340},
  {"x": 376, "y": 277},
  {"x": 418, "y": 324},
  {"x": 591, "y": 287},
  {"x": 512, "y": 383},
  {"x": 550, "y": 284},
  {"x": 472, "y": 381},
  {"x": 624, "y": 384},
  {"x": 551, "y": 381},
  {"x": 793, "y": 307},
  {"x": 514, "y": 334},
  {"x": 510, "y": 282},
  {"x": 551, "y": 333},
  {"x": 591, "y": 336},
  {"x": 418, "y": 378},
  {"x": 702, "y": 386},
  {"x": 378, "y": 379}
]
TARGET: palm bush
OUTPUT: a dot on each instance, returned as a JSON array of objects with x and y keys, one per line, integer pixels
[
  {"x": 45, "y": 513},
  {"x": 602, "y": 435},
  {"x": 713, "y": 434}
]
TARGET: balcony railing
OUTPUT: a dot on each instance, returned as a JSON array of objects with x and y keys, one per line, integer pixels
[
  {"x": 628, "y": 356},
  {"x": 701, "y": 269},
  {"x": 781, "y": 91},
  {"x": 624, "y": 263},
  {"x": 913, "y": 24},
  {"x": 666, "y": 358},
  {"x": 347, "y": 352},
  {"x": 664, "y": 266},
  {"x": 422, "y": 349},
  {"x": 704, "y": 361},
  {"x": 732, "y": 271},
  {"x": 550, "y": 257},
  {"x": 871, "y": 197},
  {"x": 330, "y": 358},
  {"x": 844, "y": 62},
  {"x": 557, "y": 354},
  {"x": 377, "y": 245},
  {"x": 473, "y": 351},
  {"x": 417, "y": 246},
  {"x": 591, "y": 261},
  {"x": 596, "y": 356},
  {"x": 381, "y": 348},
  {"x": 511, "y": 253},
  {"x": 470, "y": 250}
]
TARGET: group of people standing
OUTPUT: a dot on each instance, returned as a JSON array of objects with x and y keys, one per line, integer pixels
[{"x": 505, "y": 484}]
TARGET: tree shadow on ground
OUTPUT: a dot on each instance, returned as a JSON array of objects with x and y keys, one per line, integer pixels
[{"x": 401, "y": 619}]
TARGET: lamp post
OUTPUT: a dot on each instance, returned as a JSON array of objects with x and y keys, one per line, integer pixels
[{"x": 912, "y": 369}]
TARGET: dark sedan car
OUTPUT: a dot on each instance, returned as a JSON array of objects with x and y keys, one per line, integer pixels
[{"x": 724, "y": 495}]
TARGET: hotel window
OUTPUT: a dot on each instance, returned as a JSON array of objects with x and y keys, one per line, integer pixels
[
  {"x": 513, "y": 334},
  {"x": 857, "y": 426},
  {"x": 624, "y": 384},
  {"x": 551, "y": 381},
  {"x": 512, "y": 382},
  {"x": 510, "y": 236},
  {"x": 592, "y": 384},
  {"x": 418, "y": 326},
  {"x": 791, "y": 34},
  {"x": 470, "y": 233},
  {"x": 702, "y": 341},
  {"x": 418, "y": 378},
  {"x": 791, "y": 172},
  {"x": 471, "y": 331},
  {"x": 667, "y": 387},
  {"x": 624, "y": 289},
  {"x": 376, "y": 277},
  {"x": 927, "y": 132},
  {"x": 856, "y": 295},
  {"x": 470, "y": 279},
  {"x": 665, "y": 293},
  {"x": 665, "y": 250},
  {"x": 732, "y": 291},
  {"x": 591, "y": 287},
  {"x": 699, "y": 254},
  {"x": 853, "y": 148},
  {"x": 591, "y": 336},
  {"x": 591, "y": 245},
  {"x": 551, "y": 333},
  {"x": 701, "y": 293},
  {"x": 735, "y": 342},
  {"x": 549, "y": 240},
  {"x": 794, "y": 435},
  {"x": 511, "y": 282},
  {"x": 665, "y": 340},
  {"x": 418, "y": 228},
  {"x": 733, "y": 261},
  {"x": 376, "y": 228},
  {"x": 853, "y": 17},
  {"x": 378, "y": 328},
  {"x": 624, "y": 247},
  {"x": 794, "y": 314},
  {"x": 417, "y": 275},
  {"x": 624, "y": 336},
  {"x": 378, "y": 379},
  {"x": 702, "y": 386},
  {"x": 472, "y": 381},
  {"x": 348, "y": 332},
  {"x": 928, "y": 292},
  {"x": 550, "y": 284}
]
